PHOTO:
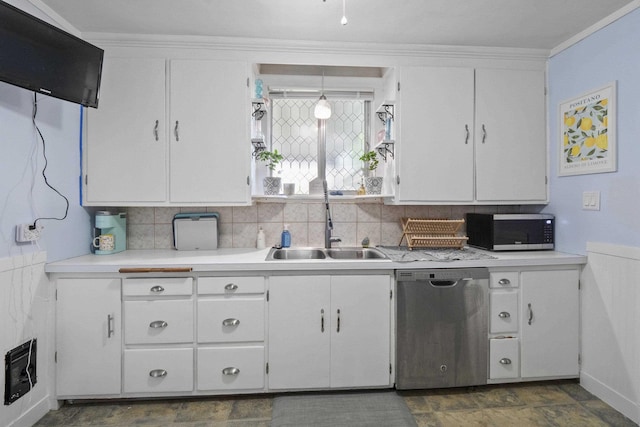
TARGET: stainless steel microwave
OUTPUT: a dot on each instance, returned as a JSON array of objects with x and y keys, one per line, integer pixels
[{"x": 510, "y": 232}]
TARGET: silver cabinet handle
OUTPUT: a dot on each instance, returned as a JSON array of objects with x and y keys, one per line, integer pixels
[
  {"x": 338, "y": 326},
  {"x": 504, "y": 315},
  {"x": 322, "y": 320},
  {"x": 230, "y": 322},
  {"x": 466, "y": 138},
  {"x": 530, "y": 313},
  {"x": 231, "y": 287},
  {"x": 110, "y": 329},
  {"x": 158, "y": 373},
  {"x": 157, "y": 289},
  {"x": 230, "y": 371},
  {"x": 505, "y": 361},
  {"x": 504, "y": 282},
  {"x": 484, "y": 134},
  {"x": 155, "y": 130},
  {"x": 175, "y": 132},
  {"x": 158, "y": 324}
]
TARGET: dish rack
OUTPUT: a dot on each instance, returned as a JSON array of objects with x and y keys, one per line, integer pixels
[{"x": 432, "y": 233}]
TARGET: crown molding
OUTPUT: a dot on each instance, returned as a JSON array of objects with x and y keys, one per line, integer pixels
[{"x": 297, "y": 46}]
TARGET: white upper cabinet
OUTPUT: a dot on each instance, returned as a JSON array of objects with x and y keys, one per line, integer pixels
[
  {"x": 210, "y": 150},
  {"x": 169, "y": 132},
  {"x": 471, "y": 136},
  {"x": 435, "y": 152},
  {"x": 125, "y": 147},
  {"x": 510, "y": 136}
]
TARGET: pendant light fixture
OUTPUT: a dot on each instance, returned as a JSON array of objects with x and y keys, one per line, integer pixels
[
  {"x": 323, "y": 108},
  {"x": 344, "y": 21}
]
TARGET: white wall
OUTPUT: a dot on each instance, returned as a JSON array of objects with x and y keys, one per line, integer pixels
[
  {"x": 607, "y": 55},
  {"x": 23, "y": 193},
  {"x": 610, "y": 340},
  {"x": 610, "y": 324},
  {"x": 25, "y": 313},
  {"x": 25, "y": 301}
]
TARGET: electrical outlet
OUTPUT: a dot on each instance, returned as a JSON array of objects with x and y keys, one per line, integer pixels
[{"x": 27, "y": 233}]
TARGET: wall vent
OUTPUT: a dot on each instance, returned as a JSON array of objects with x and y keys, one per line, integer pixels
[{"x": 20, "y": 371}]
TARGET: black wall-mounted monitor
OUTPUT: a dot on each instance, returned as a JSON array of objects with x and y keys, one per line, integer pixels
[{"x": 40, "y": 57}]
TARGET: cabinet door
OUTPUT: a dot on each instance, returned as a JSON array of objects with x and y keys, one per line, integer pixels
[
  {"x": 210, "y": 147},
  {"x": 299, "y": 332},
  {"x": 125, "y": 150},
  {"x": 510, "y": 135},
  {"x": 435, "y": 151},
  {"x": 88, "y": 337},
  {"x": 550, "y": 323},
  {"x": 360, "y": 331}
]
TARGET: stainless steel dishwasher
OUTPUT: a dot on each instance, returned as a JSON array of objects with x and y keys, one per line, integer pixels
[{"x": 441, "y": 327}]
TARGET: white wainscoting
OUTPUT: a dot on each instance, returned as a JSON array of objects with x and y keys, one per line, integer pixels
[
  {"x": 26, "y": 312},
  {"x": 610, "y": 314}
]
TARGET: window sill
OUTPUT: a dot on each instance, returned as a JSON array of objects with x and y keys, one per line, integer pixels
[{"x": 315, "y": 198}]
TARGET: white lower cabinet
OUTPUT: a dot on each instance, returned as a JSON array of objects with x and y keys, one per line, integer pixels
[
  {"x": 534, "y": 324},
  {"x": 231, "y": 368},
  {"x": 231, "y": 332},
  {"x": 158, "y": 335},
  {"x": 329, "y": 331},
  {"x": 155, "y": 370},
  {"x": 504, "y": 360},
  {"x": 503, "y": 311},
  {"x": 88, "y": 337},
  {"x": 550, "y": 323},
  {"x": 158, "y": 322}
]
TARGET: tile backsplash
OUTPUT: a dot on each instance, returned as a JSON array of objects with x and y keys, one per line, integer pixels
[{"x": 151, "y": 228}]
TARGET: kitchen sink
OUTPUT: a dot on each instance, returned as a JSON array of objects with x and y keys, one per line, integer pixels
[
  {"x": 321, "y": 253},
  {"x": 355, "y": 253},
  {"x": 296, "y": 253}
]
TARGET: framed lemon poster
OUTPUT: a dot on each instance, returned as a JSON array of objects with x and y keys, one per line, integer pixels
[{"x": 587, "y": 133}]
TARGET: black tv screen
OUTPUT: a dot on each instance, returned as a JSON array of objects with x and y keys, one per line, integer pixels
[{"x": 40, "y": 57}]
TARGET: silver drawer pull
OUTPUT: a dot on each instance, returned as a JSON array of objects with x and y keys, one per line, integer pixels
[
  {"x": 505, "y": 361},
  {"x": 110, "y": 329},
  {"x": 230, "y": 371},
  {"x": 158, "y": 373},
  {"x": 157, "y": 289},
  {"x": 231, "y": 287},
  {"x": 504, "y": 282},
  {"x": 230, "y": 322},
  {"x": 504, "y": 315},
  {"x": 158, "y": 324}
]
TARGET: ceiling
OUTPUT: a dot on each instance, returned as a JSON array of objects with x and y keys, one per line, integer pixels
[{"x": 537, "y": 24}]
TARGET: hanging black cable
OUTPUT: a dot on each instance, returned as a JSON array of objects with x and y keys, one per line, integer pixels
[{"x": 46, "y": 162}]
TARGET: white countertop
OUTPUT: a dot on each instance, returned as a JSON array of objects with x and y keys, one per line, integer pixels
[{"x": 237, "y": 260}]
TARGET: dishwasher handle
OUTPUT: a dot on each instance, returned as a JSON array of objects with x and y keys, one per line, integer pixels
[{"x": 447, "y": 283}]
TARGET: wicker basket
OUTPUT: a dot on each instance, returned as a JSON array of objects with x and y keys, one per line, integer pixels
[{"x": 432, "y": 233}]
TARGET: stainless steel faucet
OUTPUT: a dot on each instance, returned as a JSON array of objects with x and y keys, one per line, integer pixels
[{"x": 328, "y": 223}]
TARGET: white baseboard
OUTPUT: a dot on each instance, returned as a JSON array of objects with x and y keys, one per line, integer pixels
[
  {"x": 611, "y": 397},
  {"x": 33, "y": 414}
]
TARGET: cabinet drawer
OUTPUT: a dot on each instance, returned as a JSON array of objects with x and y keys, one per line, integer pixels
[
  {"x": 158, "y": 370},
  {"x": 504, "y": 279},
  {"x": 230, "y": 285},
  {"x": 231, "y": 368},
  {"x": 504, "y": 311},
  {"x": 157, "y": 286},
  {"x": 231, "y": 320},
  {"x": 504, "y": 358},
  {"x": 158, "y": 321}
]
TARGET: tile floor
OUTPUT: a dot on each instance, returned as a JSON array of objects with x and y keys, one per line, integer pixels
[{"x": 558, "y": 403}]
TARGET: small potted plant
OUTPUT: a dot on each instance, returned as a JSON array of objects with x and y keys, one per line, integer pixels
[
  {"x": 372, "y": 183},
  {"x": 272, "y": 159}
]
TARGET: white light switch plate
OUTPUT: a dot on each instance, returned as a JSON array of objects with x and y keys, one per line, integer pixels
[{"x": 591, "y": 200}]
